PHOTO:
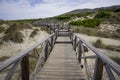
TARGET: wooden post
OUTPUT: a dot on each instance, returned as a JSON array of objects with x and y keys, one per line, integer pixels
[
  {"x": 79, "y": 51},
  {"x": 75, "y": 43},
  {"x": 46, "y": 50},
  {"x": 52, "y": 42},
  {"x": 25, "y": 68},
  {"x": 98, "y": 71}
]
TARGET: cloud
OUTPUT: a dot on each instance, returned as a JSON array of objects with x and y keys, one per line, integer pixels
[{"x": 25, "y": 9}]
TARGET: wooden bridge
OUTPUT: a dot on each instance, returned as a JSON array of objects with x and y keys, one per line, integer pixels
[{"x": 61, "y": 56}]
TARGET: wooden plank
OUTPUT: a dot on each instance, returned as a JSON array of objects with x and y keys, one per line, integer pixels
[{"x": 61, "y": 64}]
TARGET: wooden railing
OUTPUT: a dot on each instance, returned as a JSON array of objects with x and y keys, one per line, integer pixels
[
  {"x": 42, "y": 51},
  {"x": 102, "y": 62}
]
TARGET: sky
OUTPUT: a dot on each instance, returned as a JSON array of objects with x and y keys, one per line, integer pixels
[{"x": 31, "y": 9}]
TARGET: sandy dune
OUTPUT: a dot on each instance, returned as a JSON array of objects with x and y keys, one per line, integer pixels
[
  {"x": 106, "y": 41},
  {"x": 11, "y": 49}
]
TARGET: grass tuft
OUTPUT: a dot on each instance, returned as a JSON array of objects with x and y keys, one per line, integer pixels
[
  {"x": 34, "y": 33},
  {"x": 14, "y": 36},
  {"x": 3, "y": 58},
  {"x": 2, "y": 29},
  {"x": 99, "y": 44}
]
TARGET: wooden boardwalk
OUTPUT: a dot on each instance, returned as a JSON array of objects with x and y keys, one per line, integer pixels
[{"x": 62, "y": 64}]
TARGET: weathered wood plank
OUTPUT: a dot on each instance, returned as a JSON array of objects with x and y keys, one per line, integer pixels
[{"x": 62, "y": 64}]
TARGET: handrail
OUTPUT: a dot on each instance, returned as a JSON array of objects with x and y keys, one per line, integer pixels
[
  {"x": 101, "y": 59},
  {"x": 104, "y": 58},
  {"x": 23, "y": 56},
  {"x": 12, "y": 60}
]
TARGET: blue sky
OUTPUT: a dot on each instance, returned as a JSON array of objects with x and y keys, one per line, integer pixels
[{"x": 27, "y": 9}]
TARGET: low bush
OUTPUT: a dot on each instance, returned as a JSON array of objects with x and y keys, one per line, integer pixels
[
  {"x": 91, "y": 23},
  {"x": 64, "y": 17},
  {"x": 18, "y": 27},
  {"x": 12, "y": 28},
  {"x": 103, "y": 14},
  {"x": 14, "y": 36},
  {"x": 34, "y": 33},
  {"x": 2, "y": 29}
]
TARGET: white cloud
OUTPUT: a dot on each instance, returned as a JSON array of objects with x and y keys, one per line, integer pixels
[{"x": 22, "y": 9}]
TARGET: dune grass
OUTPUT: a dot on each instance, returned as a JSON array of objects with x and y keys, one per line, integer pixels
[
  {"x": 99, "y": 44},
  {"x": 34, "y": 32},
  {"x": 3, "y": 58},
  {"x": 2, "y": 29}
]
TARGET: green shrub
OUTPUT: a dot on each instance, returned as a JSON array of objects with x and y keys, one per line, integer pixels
[
  {"x": 34, "y": 33},
  {"x": 14, "y": 36},
  {"x": 2, "y": 29},
  {"x": 92, "y": 23},
  {"x": 103, "y": 14},
  {"x": 64, "y": 17}
]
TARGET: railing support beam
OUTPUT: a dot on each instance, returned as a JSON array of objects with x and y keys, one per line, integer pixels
[
  {"x": 79, "y": 51},
  {"x": 25, "y": 68},
  {"x": 98, "y": 69}
]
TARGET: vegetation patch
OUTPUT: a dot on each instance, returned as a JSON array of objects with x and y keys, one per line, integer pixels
[
  {"x": 2, "y": 29},
  {"x": 34, "y": 33},
  {"x": 95, "y": 32},
  {"x": 1, "y": 43},
  {"x": 14, "y": 36},
  {"x": 3, "y": 58},
  {"x": 1, "y": 22},
  {"x": 63, "y": 17},
  {"x": 13, "y": 32},
  {"x": 18, "y": 27},
  {"x": 44, "y": 28},
  {"x": 103, "y": 14},
  {"x": 116, "y": 59},
  {"x": 99, "y": 44},
  {"x": 92, "y": 23}
]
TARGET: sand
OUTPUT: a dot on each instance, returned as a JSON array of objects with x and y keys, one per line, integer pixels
[
  {"x": 106, "y": 41},
  {"x": 11, "y": 49}
]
